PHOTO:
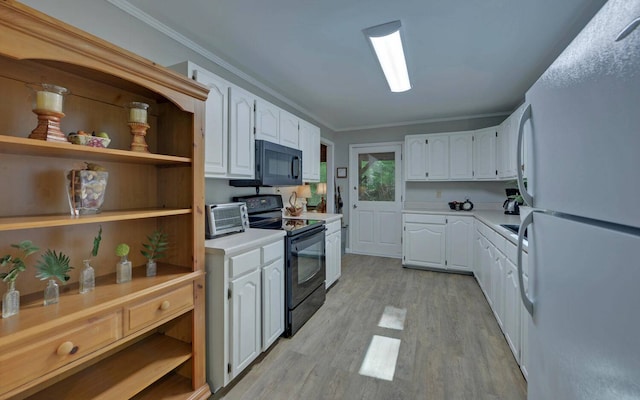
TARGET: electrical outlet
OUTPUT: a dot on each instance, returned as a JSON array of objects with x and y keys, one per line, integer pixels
[{"x": 438, "y": 194}]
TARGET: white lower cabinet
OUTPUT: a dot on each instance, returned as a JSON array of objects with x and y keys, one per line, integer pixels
[
  {"x": 245, "y": 306},
  {"x": 495, "y": 268},
  {"x": 333, "y": 255},
  {"x": 423, "y": 240},
  {"x": 245, "y": 335},
  {"x": 438, "y": 241}
]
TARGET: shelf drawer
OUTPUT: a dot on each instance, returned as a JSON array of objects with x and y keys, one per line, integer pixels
[
  {"x": 54, "y": 351},
  {"x": 158, "y": 308}
]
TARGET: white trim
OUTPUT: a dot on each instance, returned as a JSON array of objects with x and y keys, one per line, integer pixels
[
  {"x": 423, "y": 121},
  {"x": 135, "y": 12},
  {"x": 331, "y": 167}
]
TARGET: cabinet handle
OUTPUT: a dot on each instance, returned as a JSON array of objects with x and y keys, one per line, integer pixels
[
  {"x": 67, "y": 348},
  {"x": 523, "y": 191},
  {"x": 528, "y": 303},
  {"x": 165, "y": 305}
]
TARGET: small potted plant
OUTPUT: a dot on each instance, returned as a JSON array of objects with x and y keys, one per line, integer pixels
[
  {"x": 11, "y": 299},
  {"x": 53, "y": 265},
  {"x": 88, "y": 274},
  {"x": 123, "y": 267},
  {"x": 154, "y": 250}
]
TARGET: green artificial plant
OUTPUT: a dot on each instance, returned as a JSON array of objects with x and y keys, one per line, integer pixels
[
  {"x": 155, "y": 249},
  {"x": 16, "y": 264},
  {"x": 96, "y": 243},
  {"x": 54, "y": 265}
]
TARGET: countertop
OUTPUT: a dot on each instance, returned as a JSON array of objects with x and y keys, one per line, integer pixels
[
  {"x": 491, "y": 218},
  {"x": 243, "y": 241}
]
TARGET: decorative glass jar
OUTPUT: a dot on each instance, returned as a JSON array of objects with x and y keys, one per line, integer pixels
[
  {"x": 51, "y": 293},
  {"x": 87, "y": 278},
  {"x": 123, "y": 270},
  {"x": 152, "y": 268},
  {"x": 86, "y": 191},
  {"x": 10, "y": 301}
]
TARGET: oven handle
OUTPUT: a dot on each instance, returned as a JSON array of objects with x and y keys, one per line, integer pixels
[{"x": 307, "y": 234}]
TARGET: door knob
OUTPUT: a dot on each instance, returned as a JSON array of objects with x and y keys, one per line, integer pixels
[{"x": 355, "y": 206}]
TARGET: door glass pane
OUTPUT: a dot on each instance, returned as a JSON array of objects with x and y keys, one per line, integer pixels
[{"x": 377, "y": 176}]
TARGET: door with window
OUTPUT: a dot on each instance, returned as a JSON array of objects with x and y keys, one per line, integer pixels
[{"x": 376, "y": 199}]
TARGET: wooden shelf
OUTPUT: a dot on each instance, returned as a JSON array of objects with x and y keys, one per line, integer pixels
[
  {"x": 40, "y": 148},
  {"x": 172, "y": 387},
  {"x": 124, "y": 374},
  {"x": 47, "y": 221}
]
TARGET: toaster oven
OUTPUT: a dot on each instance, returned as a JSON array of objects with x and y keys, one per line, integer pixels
[{"x": 223, "y": 219}]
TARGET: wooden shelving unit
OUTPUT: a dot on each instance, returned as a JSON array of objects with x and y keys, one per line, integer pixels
[{"x": 144, "y": 338}]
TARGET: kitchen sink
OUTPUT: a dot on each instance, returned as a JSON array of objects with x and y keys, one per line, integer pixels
[{"x": 514, "y": 228}]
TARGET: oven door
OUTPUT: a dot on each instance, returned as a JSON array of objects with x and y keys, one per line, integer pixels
[{"x": 305, "y": 265}]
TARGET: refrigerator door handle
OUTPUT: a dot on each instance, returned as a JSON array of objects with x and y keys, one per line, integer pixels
[
  {"x": 526, "y": 196},
  {"x": 628, "y": 29},
  {"x": 528, "y": 303}
]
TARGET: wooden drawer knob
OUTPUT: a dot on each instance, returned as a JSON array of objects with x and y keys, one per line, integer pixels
[
  {"x": 66, "y": 348},
  {"x": 165, "y": 305}
]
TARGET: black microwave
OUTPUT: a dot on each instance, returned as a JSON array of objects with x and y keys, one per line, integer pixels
[{"x": 275, "y": 165}]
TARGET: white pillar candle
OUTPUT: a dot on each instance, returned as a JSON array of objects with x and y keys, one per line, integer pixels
[
  {"x": 49, "y": 101},
  {"x": 138, "y": 115}
]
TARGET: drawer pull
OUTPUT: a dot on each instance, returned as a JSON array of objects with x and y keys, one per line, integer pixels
[
  {"x": 67, "y": 348},
  {"x": 165, "y": 305}
]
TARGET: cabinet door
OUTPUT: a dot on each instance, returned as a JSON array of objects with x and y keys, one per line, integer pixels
[
  {"x": 484, "y": 154},
  {"x": 512, "y": 306},
  {"x": 424, "y": 244},
  {"x": 461, "y": 156},
  {"x": 289, "y": 130},
  {"x": 241, "y": 140},
  {"x": 415, "y": 155},
  {"x": 460, "y": 243},
  {"x": 245, "y": 336},
  {"x": 216, "y": 122},
  {"x": 310, "y": 146},
  {"x": 497, "y": 285},
  {"x": 267, "y": 121},
  {"x": 272, "y": 302},
  {"x": 438, "y": 159},
  {"x": 333, "y": 257}
]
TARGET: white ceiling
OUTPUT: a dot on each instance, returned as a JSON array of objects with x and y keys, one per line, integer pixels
[{"x": 466, "y": 57}]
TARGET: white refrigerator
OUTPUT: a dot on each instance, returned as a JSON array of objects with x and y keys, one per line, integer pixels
[{"x": 582, "y": 130}]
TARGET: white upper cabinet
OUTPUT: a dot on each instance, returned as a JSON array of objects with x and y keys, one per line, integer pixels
[
  {"x": 415, "y": 157},
  {"x": 289, "y": 130},
  {"x": 241, "y": 140},
  {"x": 267, "y": 121},
  {"x": 461, "y": 156},
  {"x": 484, "y": 153},
  {"x": 310, "y": 145},
  {"x": 216, "y": 118},
  {"x": 438, "y": 159}
]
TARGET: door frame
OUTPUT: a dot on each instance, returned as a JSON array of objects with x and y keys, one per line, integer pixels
[{"x": 353, "y": 181}]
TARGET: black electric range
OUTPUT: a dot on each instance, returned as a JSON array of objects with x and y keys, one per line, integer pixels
[{"x": 305, "y": 261}]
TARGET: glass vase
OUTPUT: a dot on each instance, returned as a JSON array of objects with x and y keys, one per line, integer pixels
[
  {"x": 51, "y": 293},
  {"x": 151, "y": 268},
  {"x": 123, "y": 270},
  {"x": 87, "y": 278},
  {"x": 10, "y": 301}
]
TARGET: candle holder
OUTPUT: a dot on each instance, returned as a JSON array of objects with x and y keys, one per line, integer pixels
[
  {"x": 138, "y": 126},
  {"x": 47, "y": 106}
]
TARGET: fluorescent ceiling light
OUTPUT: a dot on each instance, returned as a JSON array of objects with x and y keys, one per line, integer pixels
[{"x": 387, "y": 44}]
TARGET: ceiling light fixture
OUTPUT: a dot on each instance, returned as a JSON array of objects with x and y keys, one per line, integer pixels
[{"x": 387, "y": 44}]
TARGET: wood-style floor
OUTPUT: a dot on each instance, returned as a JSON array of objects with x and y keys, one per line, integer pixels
[{"x": 451, "y": 346}]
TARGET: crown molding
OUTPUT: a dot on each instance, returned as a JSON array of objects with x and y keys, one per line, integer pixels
[
  {"x": 185, "y": 41},
  {"x": 424, "y": 121}
]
